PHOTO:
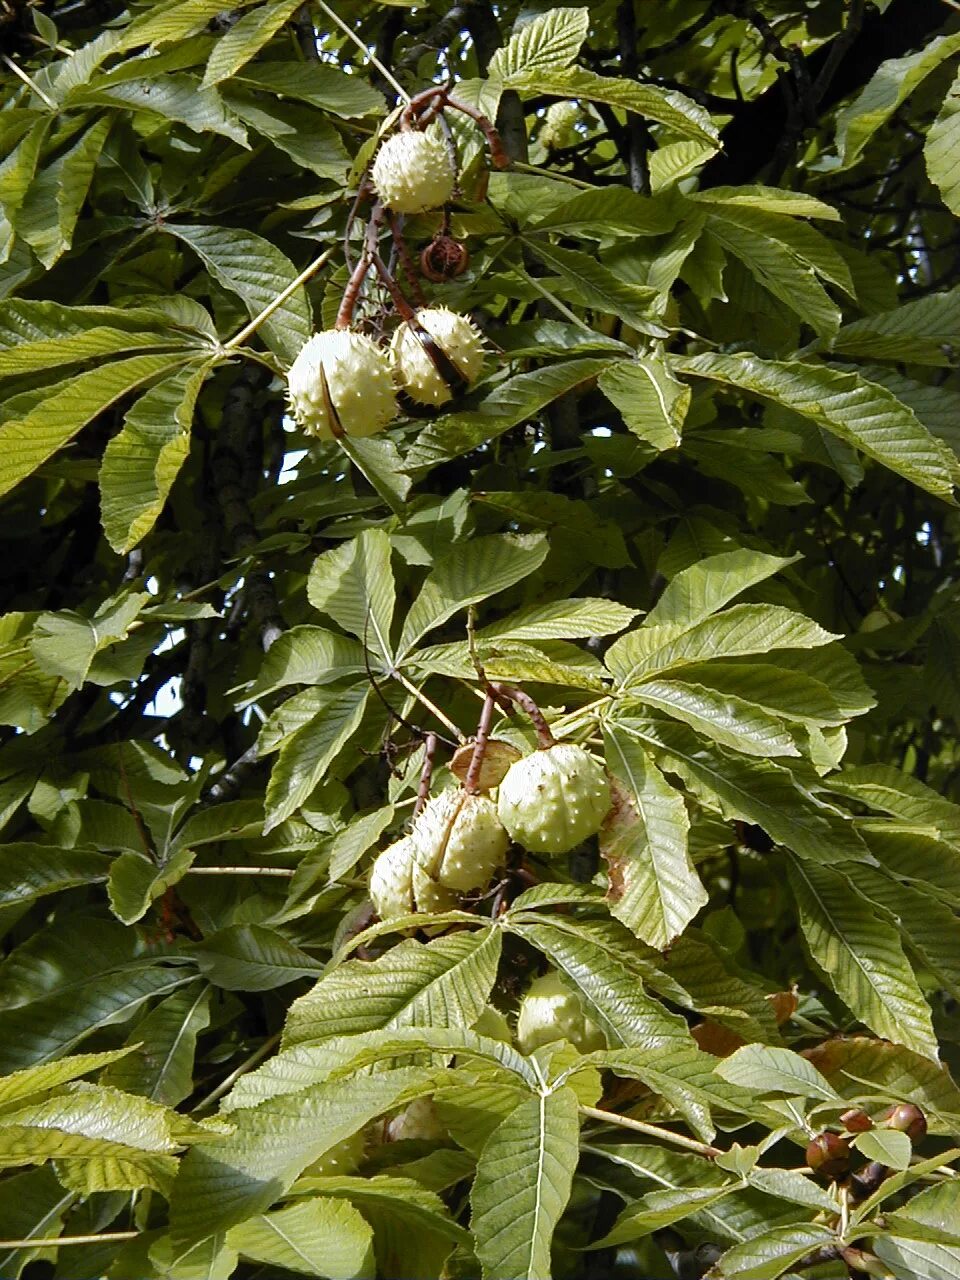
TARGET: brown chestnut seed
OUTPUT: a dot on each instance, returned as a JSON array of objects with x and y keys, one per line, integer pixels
[
  {"x": 856, "y": 1121},
  {"x": 909, "y": 1119},
  {"x": 829, "y": 1155},
  {"x": 444, "y": 258}
]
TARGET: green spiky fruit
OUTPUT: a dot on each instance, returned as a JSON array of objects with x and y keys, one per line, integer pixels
[
  {"x": 391, "y": 880},
  {"x": 457, "y": 337},
  {"x": 493, "y": 1025},
  {"x": 344, "y": 1157},
  {"x": 555, "y": 798},
  {"x": 552, "y": 1011},
  {"x": 460, "y": 840},
  {"x": 559, "y": 125},
  {"x": 413, "y": 171},
  {"x": 341, "y": 384}
]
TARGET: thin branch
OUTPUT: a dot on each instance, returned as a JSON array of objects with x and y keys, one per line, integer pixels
[
  {"x": 431, "y": 706},
  {"x": 240, "y": 337},
  {"x": 227, "y": 1083},
  {"x": 17, "y": 71},
  {"x": 55, "y": 1242},
  {"x": 367, "y": 53},
  {"x": 653, "y": 1131},
  {"x": 285, "y": 872}
]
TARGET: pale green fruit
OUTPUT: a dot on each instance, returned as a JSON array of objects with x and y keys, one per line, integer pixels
[
  {"x": 413, "y": 171},
  {"x": 551, "y": 1011},
  {"x": 391, "y": 880},
  {"x": 428, "y": 894},
  {"x": 344, "y": 1157},
  {"x": 457, "y": 337},
  {"x": 558, "y": 128},
  {"x": 493, "y": 1025},
  {"x": 460, "y": 840},
  {"x": 419, "y": 1121},
  {"x": 555, "y": 798},
  {"x": 341, "y": 384}
]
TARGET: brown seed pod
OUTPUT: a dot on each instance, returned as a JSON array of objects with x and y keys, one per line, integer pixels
[
  {"x": 444, "y": 258},
  {"x": 856, "y": 1121},
  {"x": 497, "y": 759}
]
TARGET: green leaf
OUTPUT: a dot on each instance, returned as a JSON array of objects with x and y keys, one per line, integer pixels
[
  {"x": 561, "y": 620},
  {"x": 305, "y": 135},
  {"x": 751, "y": 790},
  {"x": 659, "y": 1209},
  {"x": 921, "y": 331},
  {"x": 514, "y": 401},
  {"x": 590, "y": 284},
  {"x": 725, "y": 718},
  {"x": 255, "y": 270},
  {"x": 891, "y": 84},
  {"x": 703, "y": 588},
  {"x": 53, "y": 422},
  {"x": 29, "y": 871},
  {"x": 765, "y": 1069},
  {"x": 888, "y": 1146},
  {"x": 305, "y": 655},
  {"x": 251, "y": 957},
  {"x": 918, "y": 1259},
  {"x": 605, "y": 210},
  {"x": 350, "y": 844},
  {"x": 654, "y": 888},
  {"x": 319, "y": 84},
  {"x": 175, "y": 97},
  {"x": 544, "y": 43},
  {"x": 942, "y": 149},
  {"x": 159, "y": 1057},
  {"x": 52, "y": 206},
  {"x": 173, "y": 22},
  {"x": 931, "y": 1215},
  {"x": 653, "y": 402},
  {"x": 136, "y": 881},
  {"x": 773, "y": 1252},
  {"x": 739, "y": 630},
  {"x": 66, "y": 644},
  {"x": 859, "y": 412},
  {"x": 443, "y": 983},
  {"x": 862, "y": 955},
  {"x": 32, "y": 1204},
  {"x": 318, "y": 1237},
  {"x": 353, "y": 584},
  {"x": 141, "y": 463},
  {"x": 678, "y": 113},
  {"x": 50, "y": 1075},
  {"x": 246, "y": 38},
  {"x": 467, "y": 574},
  {"x": 305, "y": 757},
  {"x": 243, "y": 1174},
  {"x": 524, "y": 1178}
]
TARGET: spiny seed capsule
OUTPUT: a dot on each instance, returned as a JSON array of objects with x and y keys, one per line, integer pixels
[
  {"x": 555, "y": 798},
  {"x": 341, "y": 384},
  {"x": 435, "y": 352},
  {"x": 413, "y": 171},
  {"x": 391, "y": 887},
  {"x": 552, "y": 1011},
  {"x": 459, "y": 840}
]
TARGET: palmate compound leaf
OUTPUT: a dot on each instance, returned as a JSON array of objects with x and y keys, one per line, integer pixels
[
  {"x": 860, "y": 952},
  {"x": 654, "y": 888},
  {"x": 524, "y": 1178},
  {"x": 859, "y": 412},
  {"x": 442, "y": 983}
]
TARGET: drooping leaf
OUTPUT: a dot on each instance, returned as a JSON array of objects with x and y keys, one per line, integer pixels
[
  {"x": 942, "y": 149},
  {"x": 354, "y": 585},
  {"x": 863, "y": 957},
  {"x": 654, "y": 888},
  {"x": 653, "y": 402},
  {"x": 859, "y": 412},
  {"x": 317, "y": 1237},
  {"x": 547, "y": 41},
  {"x": 523, "y": 1182},
  {"x": 771, "y": 1070}
]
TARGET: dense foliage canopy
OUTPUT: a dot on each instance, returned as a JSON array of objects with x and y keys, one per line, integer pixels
[{"x": 693, "y": 519}]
